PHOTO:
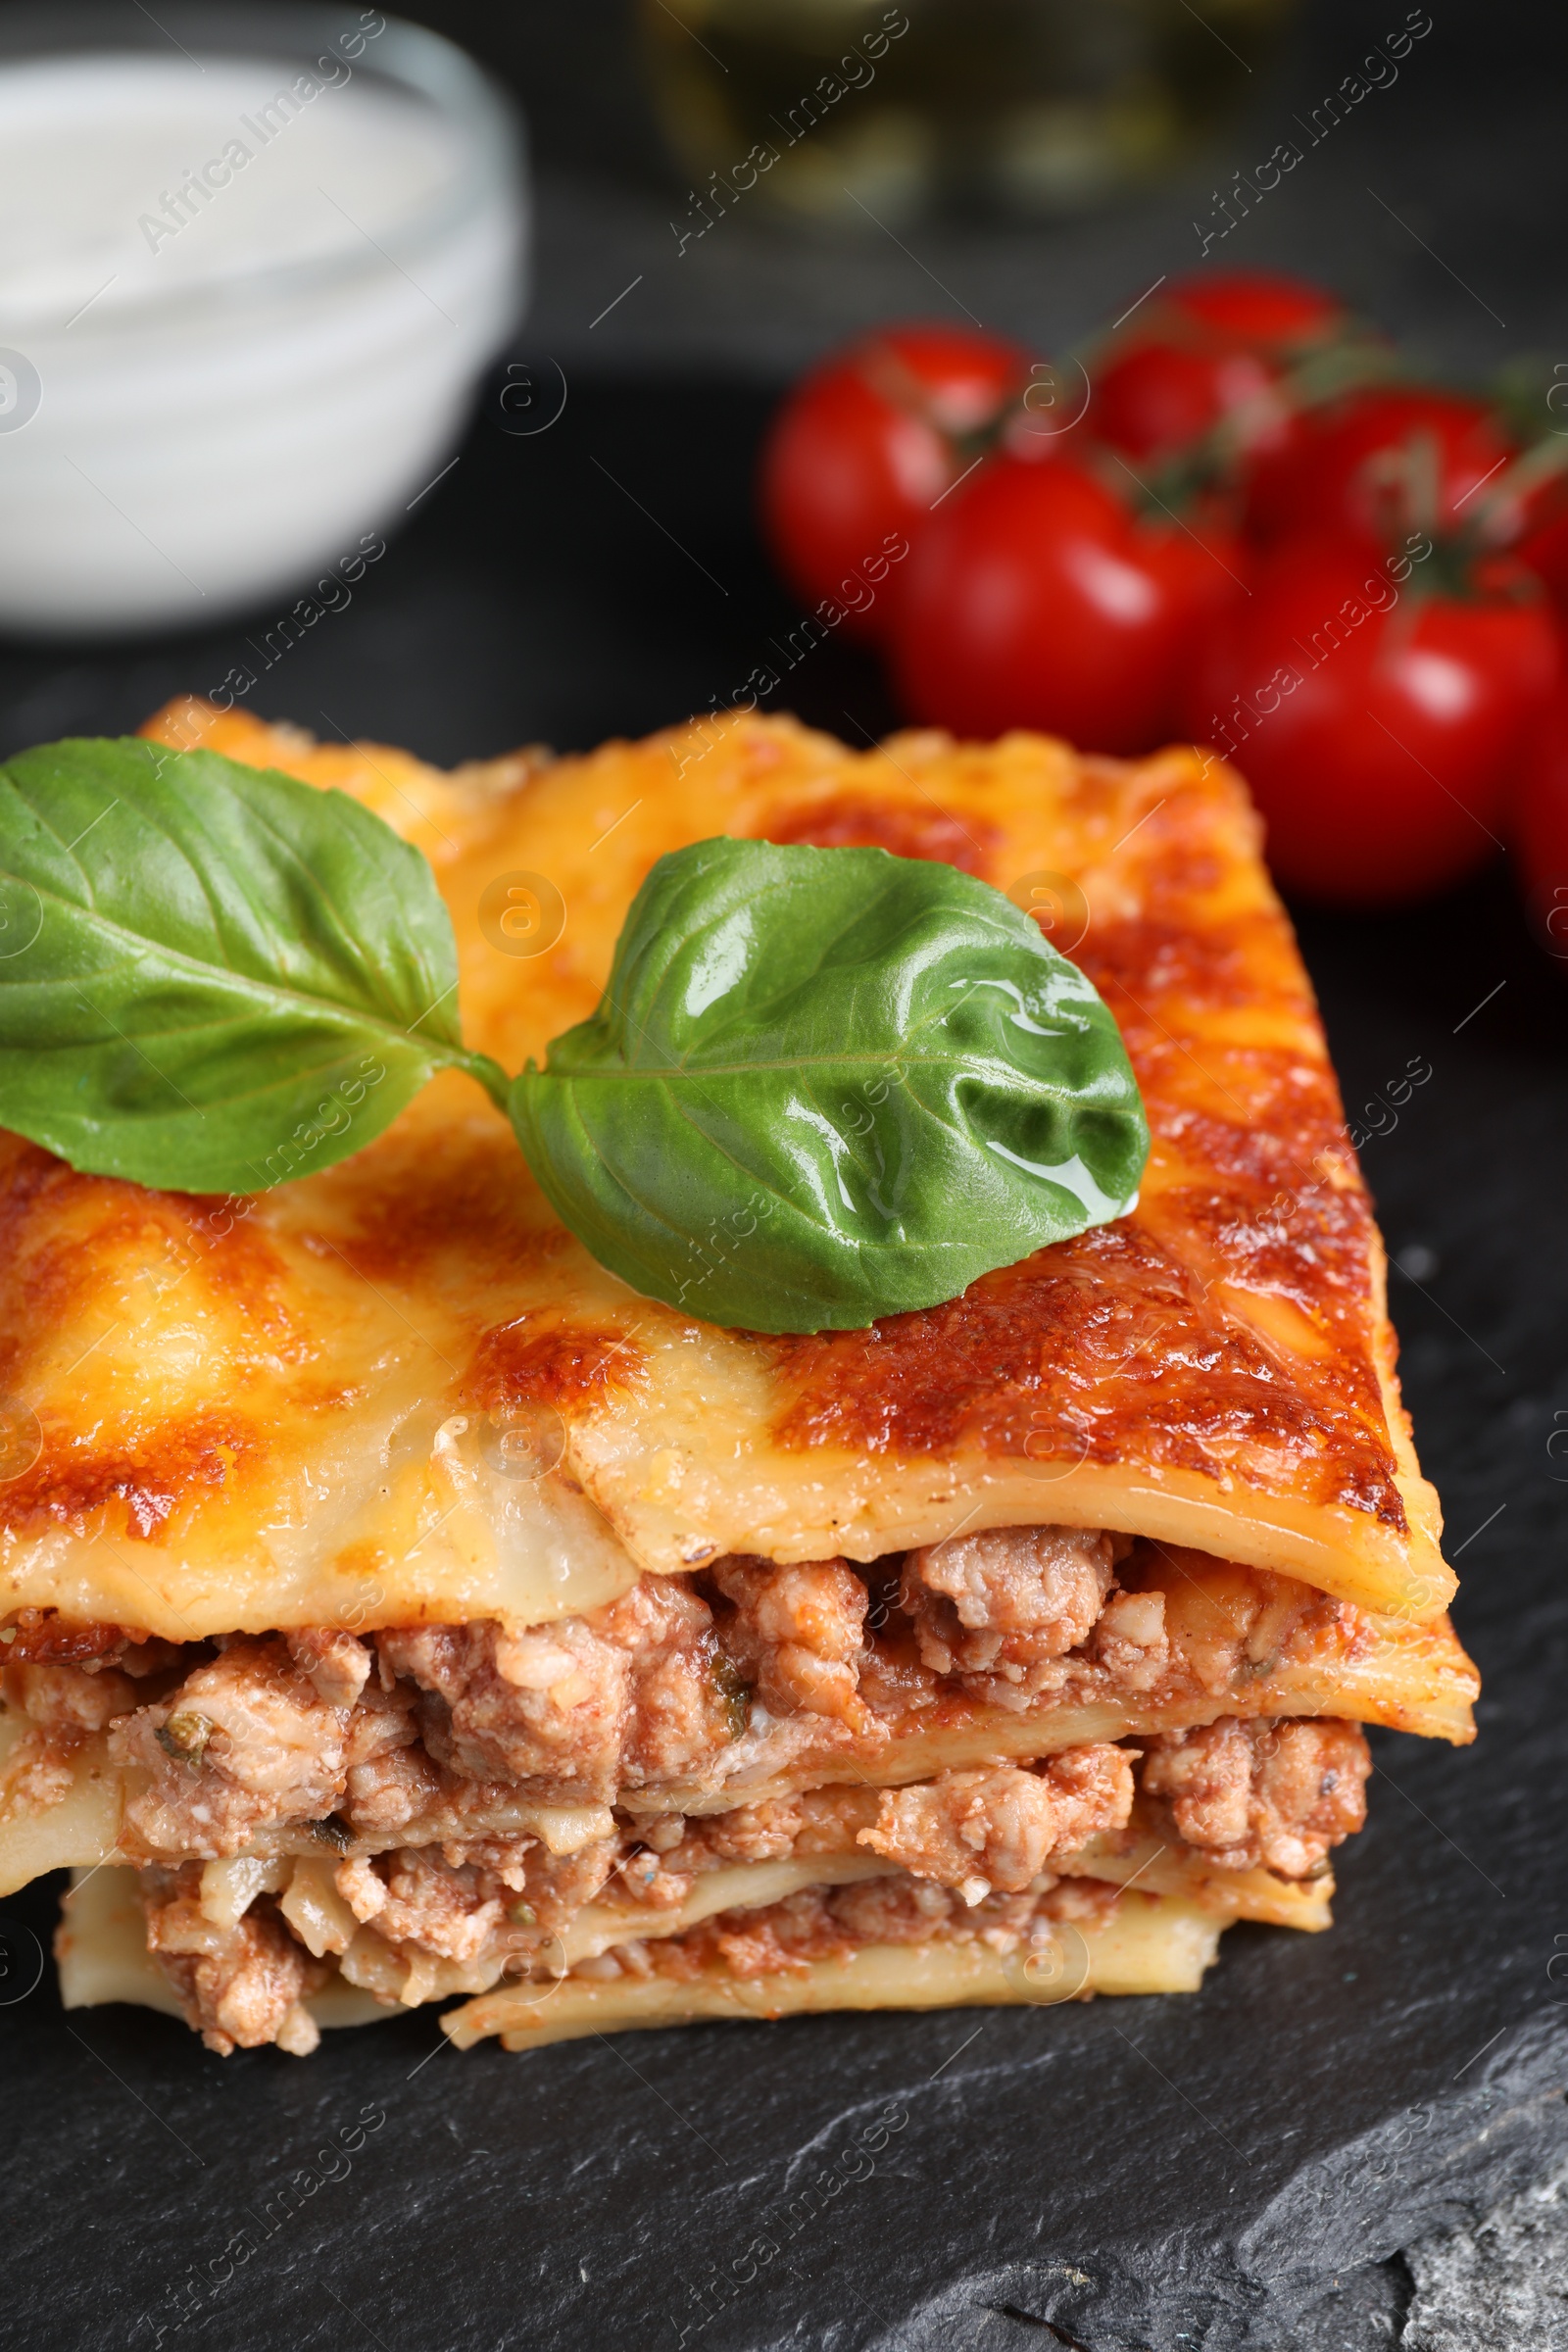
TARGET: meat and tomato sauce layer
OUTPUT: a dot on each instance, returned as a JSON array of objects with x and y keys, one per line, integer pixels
[
  {"x": 690, "y": 1694},
  {"x": 1067, "y": 1948},
  {"x": 1228, "y": 1814},
  {"x": 398, "y": 1392}
]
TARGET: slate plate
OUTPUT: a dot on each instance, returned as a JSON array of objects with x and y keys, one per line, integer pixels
[{"x": 1215, "y": 2170}]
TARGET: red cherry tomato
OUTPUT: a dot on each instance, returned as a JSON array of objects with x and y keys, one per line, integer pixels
[
  {"x": 1263, "y": 307},
  {"x": 1543, "y": 546},
  {"x": 1378, "y": 720},
  {"x": 864, "y": 444},
  {"x": 1036, "y": 598},
  {"x": 1210, "y": 347},
  {"x": 1355, "y": 465},
  {"x": 1541, "y": 831}
]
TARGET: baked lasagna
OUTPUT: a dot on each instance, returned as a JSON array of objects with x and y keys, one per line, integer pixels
[{"x": 396, "y": 1606}]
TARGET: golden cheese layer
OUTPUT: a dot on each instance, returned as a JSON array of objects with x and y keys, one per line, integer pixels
[{"x": 296, "y": 1408}]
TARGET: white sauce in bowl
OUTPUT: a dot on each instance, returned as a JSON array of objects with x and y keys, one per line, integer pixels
[{"x": 243, "y": 303}]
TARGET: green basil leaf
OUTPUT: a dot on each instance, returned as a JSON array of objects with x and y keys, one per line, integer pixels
[
  {"x": 212, "y": 977},
  {"x": 825, "y": 1085}
]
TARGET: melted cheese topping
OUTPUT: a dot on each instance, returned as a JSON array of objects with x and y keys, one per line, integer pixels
[{"x": 291, "y": 1412}]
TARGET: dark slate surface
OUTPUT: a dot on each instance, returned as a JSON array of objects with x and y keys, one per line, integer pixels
[
  {"x": 1504, "y": 2283},
  {"x": 1233, "y": 2168}
]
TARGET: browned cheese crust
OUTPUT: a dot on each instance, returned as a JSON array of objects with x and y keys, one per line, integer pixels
[{"x": 1213, "y": 1370}]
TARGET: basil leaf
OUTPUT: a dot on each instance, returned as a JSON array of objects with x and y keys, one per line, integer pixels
[
  {"x": 212, "y": 977},
  {"x": 825, "y": 1085}
]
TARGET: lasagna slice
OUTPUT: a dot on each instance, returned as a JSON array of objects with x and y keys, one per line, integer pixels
[{"x": 396, "y": 1606}]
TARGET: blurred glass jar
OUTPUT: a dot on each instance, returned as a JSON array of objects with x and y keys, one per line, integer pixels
[
  {"x": 252, "y": 263},
  {"x": 1025, "y": 107}
]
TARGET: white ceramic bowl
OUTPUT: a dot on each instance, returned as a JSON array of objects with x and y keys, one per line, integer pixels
[{"x": 266, "y": 378}]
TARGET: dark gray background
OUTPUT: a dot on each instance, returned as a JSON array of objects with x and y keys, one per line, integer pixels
[{"x": 1467, "y": 148}]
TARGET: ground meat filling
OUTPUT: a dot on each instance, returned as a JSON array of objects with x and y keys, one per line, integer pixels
[
  {"x": 240, "y": 1983},
  {"x": 638, "y": 1691},
  {"x": 965, "y": 1856},
  {"x": 798, "y": 1631},
  {"x": 983, "y": 1833},
  {"x": 334, "y": 1663},
  {"x": 1257, "y": 1791},
  {"x": 683, "y": 1688},
  {"x": 835, "y": 1922},
  {"x": 1009, "y": 1601},
  {"x": 319, "y": 1724},
  {"x": 1131, "y": 1641},
  {"x": 425, "y": 1901},
  {"x": 71, "y": 1682},
  {"x": 245, "y": 1742},
  {"x": 507, "y": 1898}
]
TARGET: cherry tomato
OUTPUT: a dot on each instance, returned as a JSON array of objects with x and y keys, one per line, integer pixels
[
  {"x": 867, "y": 441},
  {"x": 1208, "y": 347},
  {"x": 1378, "y": 717},
  {"x": 1036, "y": 597},
  {"x": 1541, "y": 831},
  {"x": 1358, "y": 465},
  {"x": 1262, "y": 307},
  {"x": 1544, "y": 544}
]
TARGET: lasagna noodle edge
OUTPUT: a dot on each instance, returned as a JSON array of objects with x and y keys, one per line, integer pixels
[{"x": 1152, "y": 1944}]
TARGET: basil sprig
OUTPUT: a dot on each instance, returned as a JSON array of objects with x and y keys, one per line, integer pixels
[{"x": 822, "y": 1086}]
